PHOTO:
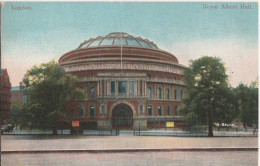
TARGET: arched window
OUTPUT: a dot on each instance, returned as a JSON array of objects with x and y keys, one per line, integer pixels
[
  {"x": 92, "y": 111},
  {"x": 149, "y": 76},
  {"x": 168, "y": 93},
  {"x": 92, "y": 91},
  {"x": 160, "y": 93},
  {"x": 149, "y": 93},
  {"x": 132, "y": 87},
  {"x": 82, "y": 111},
  {"x": 169, "y": 110},
  {"x": 113, "y": 87},
  {"x": 141, "y": 109},
  {"x": 150, "y": 110},
  {"x": 121, "y": 87},
  {"x": 102, "y": 108},
  {"x": 176, "y": 110},
  {"x": 176, "y": 94},
  {"x": 181, "y": 94},
  {"x": 160, "y": 110}
]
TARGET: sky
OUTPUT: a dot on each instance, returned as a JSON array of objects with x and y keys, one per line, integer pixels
[{"x": 42, "y": 31}]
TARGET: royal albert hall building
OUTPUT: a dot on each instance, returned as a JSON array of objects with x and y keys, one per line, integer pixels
[{"x": 129, "y": 83}]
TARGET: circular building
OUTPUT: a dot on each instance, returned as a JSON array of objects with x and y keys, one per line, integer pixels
[{"x": 129, "y": 83}]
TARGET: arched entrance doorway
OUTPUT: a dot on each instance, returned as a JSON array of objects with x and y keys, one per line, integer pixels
[{"x": 122, "y": 117}]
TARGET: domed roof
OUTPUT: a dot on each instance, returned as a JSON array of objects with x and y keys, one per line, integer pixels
[{"x": 118, "y": 39}]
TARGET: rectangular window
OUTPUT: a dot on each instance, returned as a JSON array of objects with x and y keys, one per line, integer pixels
[
  {"x": 160, "y": 110},
  {"x": 113, "y": 87},
  {"x": 132, "y": 87},
  {"x": 92, "y": 111},
  {"x": 176, "y": 94},
  {"x": 122, "y": 87},
  {"x": 176, "y": 112},
  {"x": 168, "y": 94},
  {"x": 150, "y": 110},
  {"x": 181, "y": 94},
  {"x": 93, "y": 91},
  {"x": 169, "y": 110}
]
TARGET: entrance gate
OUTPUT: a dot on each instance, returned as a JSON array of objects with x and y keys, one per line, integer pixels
[{"x": 122, "y": 117}]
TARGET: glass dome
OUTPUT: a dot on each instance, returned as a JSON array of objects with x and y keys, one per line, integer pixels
[{"x": 118, "y": 39}]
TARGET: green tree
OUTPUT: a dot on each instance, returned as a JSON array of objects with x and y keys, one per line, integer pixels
[
  {"x": 226, "y": 108},
  {"x": 247, "y": 101},
  {"x": 50, "y": 89},
  {"x": 16, "y": 112},
  {"x": 254, "y": 102},
  {"x": 208, "y": 98}
]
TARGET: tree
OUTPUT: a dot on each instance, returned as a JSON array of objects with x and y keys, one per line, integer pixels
[
  {"x": 247, "y": 101},
  {"x": 16, "y": 112},
  {"x": 50, "y": 89},
  {"x": 208, "y": 98}
]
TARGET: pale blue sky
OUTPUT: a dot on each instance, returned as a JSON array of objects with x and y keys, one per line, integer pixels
[{"x": 187, "y": 30}]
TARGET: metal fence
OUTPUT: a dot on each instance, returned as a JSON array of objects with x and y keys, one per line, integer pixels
[
  {"x": 152, "y": 132},
  {"x": 196, "y": 133},
  {"x": 101, "y": 132}
]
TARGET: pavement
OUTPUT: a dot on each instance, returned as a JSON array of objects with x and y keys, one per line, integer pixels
[
  {"x": 61, "y": 143},
  {"x": 67, "y": 150},
  {"x": 239, "y": 158}
]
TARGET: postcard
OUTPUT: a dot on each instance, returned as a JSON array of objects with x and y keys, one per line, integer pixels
[{"x": 129, "y": 83}]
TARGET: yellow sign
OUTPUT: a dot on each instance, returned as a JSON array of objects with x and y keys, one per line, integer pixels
[
  {"x": 75, "y": 123},
  {"x": 169, "y": 124}
]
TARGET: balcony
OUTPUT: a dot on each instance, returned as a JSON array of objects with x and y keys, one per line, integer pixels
[
  {"x": 166, "y": 80},
  {"x": 121, "y": 96},
  {"x": 88, "y": 79},
  {"x": 156, "y": 80}
]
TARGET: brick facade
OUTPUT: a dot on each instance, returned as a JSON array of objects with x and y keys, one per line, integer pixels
[
  {"x": 5, "y": 97},
  {"x": 17, "y": 95},
  {"x": 126, "y": 86}
]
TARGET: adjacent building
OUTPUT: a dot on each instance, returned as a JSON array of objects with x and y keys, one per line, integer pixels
[
  {"x": 129, "y": 83},
  {"x": 18, "y": 95},
  {"x": 5, "y": 95}
]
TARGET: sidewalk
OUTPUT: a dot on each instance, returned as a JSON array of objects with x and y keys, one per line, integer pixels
[{"x": 38, "y": 144}]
